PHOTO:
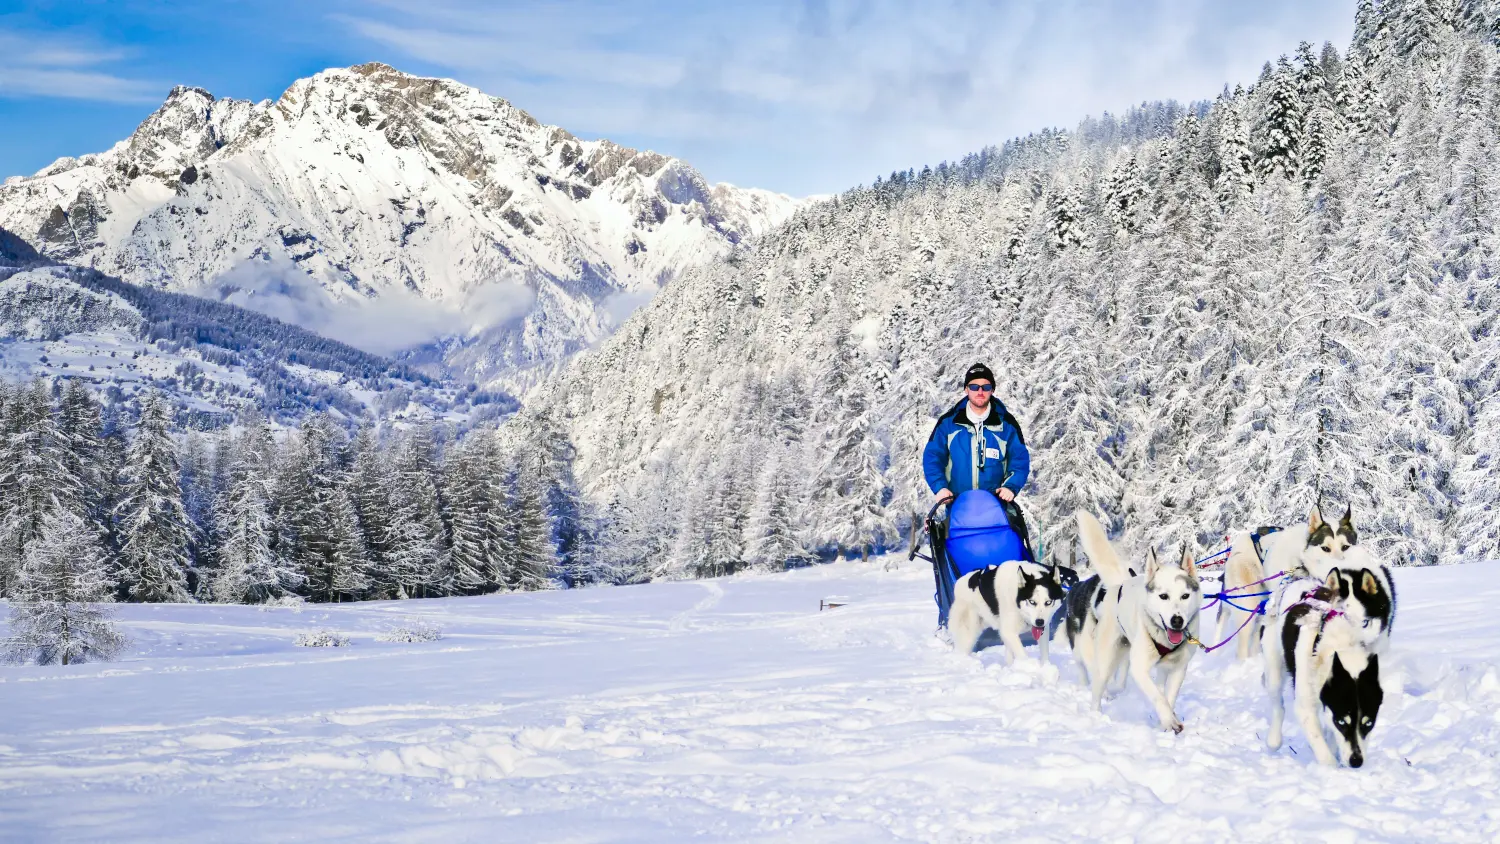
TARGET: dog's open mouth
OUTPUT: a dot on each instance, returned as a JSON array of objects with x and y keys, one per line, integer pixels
[
  {"x": 1038, "y": 632},
  {"x": 1175, "y": 636}
]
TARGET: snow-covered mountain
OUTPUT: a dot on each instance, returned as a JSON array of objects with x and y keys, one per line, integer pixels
[
  {"x": 213, "y": 360},
  {"x": 367, "y": 183},
  {"x": 1204, "y": 317}
]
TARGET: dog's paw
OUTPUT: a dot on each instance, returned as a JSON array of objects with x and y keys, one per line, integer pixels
[{"x": 1174, "y": 725}]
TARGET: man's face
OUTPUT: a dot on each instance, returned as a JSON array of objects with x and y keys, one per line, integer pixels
[{"x": 979, "y": 392}]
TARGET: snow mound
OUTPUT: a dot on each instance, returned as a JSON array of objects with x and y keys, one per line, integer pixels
[
  {"x": 415, "y": 631},
  {"x": 321, "y": 639}
]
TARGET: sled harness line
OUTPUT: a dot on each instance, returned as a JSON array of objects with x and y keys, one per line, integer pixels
[
  {"x": 1255, "y": 537},
  {"x": 1260, "y": 609},
  {"x": 1228, "y": 596},
  {"x": 1215, "y": 557}
]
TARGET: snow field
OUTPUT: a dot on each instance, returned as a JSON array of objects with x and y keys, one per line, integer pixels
[{"x": 721, "y": 710}]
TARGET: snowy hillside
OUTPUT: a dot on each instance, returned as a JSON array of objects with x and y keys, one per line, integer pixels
[
  {"x": 1203, "y": 317},
  {"x": 721, "y": 710},
  {"x": 214, "y": 360},
  {"x": 366, "y": 182}
]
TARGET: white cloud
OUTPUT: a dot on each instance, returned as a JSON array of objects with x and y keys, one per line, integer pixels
[
  {"x": 395, "y": 321},
  {"x": 46, "y": 65},
  {"x": 816, "y": 96}
]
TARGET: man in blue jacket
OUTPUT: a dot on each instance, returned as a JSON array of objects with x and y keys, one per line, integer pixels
[{"x": 976, "y": 445}]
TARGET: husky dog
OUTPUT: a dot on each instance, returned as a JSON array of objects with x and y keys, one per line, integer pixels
[
  {"x": 1369, "y": 593},
  {"x": 1310, "y": 551},
  {"x": 1242, "y": 571},
  {"x": 1307, "y": 556},
  {"x": 1335, "y": 675},
  {"x": 1012, "y": 598},
  {"x": 1152, "y": 618}
]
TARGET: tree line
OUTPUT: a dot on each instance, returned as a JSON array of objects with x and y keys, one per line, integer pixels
[{"x": 106, "y": 503}]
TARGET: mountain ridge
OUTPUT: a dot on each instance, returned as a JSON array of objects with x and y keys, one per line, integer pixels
[{"x": 365, "y": 182}]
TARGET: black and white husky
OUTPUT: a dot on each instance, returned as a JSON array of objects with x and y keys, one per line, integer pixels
[
  {"x": 1012, "y": 598},
  {"x": 1335, "y": 673},
  {"x": 1151, "y": 618}
]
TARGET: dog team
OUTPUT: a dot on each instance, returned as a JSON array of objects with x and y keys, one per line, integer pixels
[{"x": 1310, "y": 598}]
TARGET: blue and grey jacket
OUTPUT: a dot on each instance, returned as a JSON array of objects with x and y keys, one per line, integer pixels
[{"x": 959, "y": 457}]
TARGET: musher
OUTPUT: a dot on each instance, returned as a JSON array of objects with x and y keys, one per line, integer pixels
[{"x": 976, "y": 445}]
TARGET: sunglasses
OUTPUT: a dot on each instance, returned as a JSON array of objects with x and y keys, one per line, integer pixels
[{"x": 980, "y": 388}]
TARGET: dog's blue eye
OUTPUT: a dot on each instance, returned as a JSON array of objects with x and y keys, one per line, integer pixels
[
  {"x": 1367, "y": 721},
  {"x": 1344, "y": 720},
  {"x": 1367, "y": 622}
]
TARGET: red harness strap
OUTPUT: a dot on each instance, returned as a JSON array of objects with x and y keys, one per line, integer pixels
[{"x": 1163, "y": 650}]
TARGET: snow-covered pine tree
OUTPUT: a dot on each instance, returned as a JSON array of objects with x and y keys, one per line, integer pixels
[
  {"x": 775, "y": 537},
  {"x": 57, "y": 612},
  {"x": 155, "y": 534},
  {"x": 1124, "y": 193},
  {"x": 468, "y": 489},
  {"x": 1280, "y": 124},
  {"x": 250, "y": 567},
  {"x": 195, "y": 454},
  {"x": 414, "y": 533},
  {"x": 36, "y": 475},
  {"x": 368, "y": 484},
  {"x": 80, "y": 422},
  {"x": 532, "y": 557}
]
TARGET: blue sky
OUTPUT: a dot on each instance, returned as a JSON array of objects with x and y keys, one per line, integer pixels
[{"x": 802, "y": 97}]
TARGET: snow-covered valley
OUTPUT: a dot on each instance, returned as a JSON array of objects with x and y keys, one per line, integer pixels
[{"x": 718, "y": 710}]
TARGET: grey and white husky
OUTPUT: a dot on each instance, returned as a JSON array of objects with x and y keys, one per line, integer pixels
[{"x": 1151, "y": 619}]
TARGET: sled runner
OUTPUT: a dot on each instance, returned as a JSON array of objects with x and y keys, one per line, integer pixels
[{"x": 977, "y": 530}]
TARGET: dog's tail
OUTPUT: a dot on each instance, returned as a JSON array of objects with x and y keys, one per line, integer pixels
[{"x": 1106, "y": 561}]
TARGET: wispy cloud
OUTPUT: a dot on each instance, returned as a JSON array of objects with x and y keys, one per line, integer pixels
[
  {"x": 394, "y": 322},
  {"x": 52, "y": 65},
  {"x": 817, "y": 95}
]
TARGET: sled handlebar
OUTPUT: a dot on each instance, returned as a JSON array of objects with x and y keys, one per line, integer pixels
[{"x": 916, "y": 545}]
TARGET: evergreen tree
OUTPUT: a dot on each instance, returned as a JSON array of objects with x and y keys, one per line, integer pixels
[
  {"x": 250, "y": 569},
  {"x": 468, "y": 498},
  {"x": 1280, "y": 124},
  {"x": 774, "y": 537},
  {"x": 532, "y": 558},
  {"x": 56, "y": 613},
  {"x": 35, "y": 476},
  {"x": 413, "y": 538},
  {"x": 155, "y": 534}
]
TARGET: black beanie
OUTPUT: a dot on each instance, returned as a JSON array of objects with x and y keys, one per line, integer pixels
[{"x": 978, "y": 371}]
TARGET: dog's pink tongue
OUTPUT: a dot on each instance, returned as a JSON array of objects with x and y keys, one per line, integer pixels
[
  {"x": 1038, "y": 632},
  {"x": 1174, "y": 636}
]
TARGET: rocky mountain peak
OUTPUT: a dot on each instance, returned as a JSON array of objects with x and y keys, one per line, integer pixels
[{"x": 366, "y": 182}]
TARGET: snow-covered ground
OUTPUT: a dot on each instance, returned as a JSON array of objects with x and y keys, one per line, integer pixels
[{"x": 721, "y": 710}]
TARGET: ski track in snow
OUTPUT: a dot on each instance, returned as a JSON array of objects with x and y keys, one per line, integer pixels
[{"x": 726, "y": 710}]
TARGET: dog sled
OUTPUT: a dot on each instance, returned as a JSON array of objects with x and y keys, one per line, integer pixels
[{"x": 976, "y": 529}]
